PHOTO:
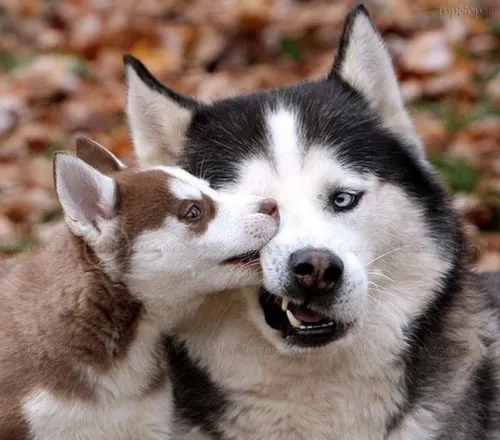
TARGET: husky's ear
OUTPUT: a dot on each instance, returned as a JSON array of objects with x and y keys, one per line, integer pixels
[
  {"x": 364, "y": 62},
  {"x": 88, "y": 197},
  {"x": 97, "y": 156},
  {"x": 158, "y": 117}
]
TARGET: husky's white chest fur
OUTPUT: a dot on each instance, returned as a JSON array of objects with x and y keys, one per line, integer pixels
[
  {"x": 309, "y": 414},
  {"x": 289, "y": 397}
]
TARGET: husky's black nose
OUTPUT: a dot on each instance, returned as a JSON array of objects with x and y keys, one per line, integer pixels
[{"x": 316, "y": 269}]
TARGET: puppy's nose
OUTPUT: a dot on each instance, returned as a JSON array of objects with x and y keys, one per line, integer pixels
[
  {"x": 317, "y": 269},
  {"x": 269, "y": 207}
]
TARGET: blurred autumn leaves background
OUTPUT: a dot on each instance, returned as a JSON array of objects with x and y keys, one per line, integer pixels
[{"x": 61, "y": 73}]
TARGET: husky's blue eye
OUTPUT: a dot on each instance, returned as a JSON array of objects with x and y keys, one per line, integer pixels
[{"x": 343, "y": 200}]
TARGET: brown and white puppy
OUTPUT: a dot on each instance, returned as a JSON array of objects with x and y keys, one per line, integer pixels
[{"x": 81, "y": 321}]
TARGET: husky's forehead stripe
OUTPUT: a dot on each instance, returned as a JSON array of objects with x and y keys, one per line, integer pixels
[{"x": 282, "y": 126}]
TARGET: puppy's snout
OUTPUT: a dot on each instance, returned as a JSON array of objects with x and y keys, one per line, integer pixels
[
  {"x": 269, "y": 207},
  {"x": 316, "y": 269}
]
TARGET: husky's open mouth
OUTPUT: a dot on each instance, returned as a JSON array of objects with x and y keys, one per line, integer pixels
[
  {"x": 248, "y": 259},
  {"x": 298, "y": 324}
]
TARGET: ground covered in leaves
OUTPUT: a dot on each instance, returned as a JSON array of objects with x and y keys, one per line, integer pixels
[{"x": 61, "y": 73}]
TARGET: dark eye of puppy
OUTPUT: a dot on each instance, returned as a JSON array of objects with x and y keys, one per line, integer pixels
[{"x": 190, "y": 211}]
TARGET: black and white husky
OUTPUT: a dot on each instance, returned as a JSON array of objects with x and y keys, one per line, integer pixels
[{"x": 369, "y": 324}]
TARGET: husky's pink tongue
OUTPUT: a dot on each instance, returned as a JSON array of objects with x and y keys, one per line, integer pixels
[{"x": 305, "y": 315}]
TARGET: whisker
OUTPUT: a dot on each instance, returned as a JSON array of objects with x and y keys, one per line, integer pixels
[
  {"x": 380, "y": 274},
  {"x": 376, "y": 288},
  {"x": 385, "y": 254}
]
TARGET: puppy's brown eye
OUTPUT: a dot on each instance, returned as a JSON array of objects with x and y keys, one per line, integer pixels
[{"x": 192, "y": 213}]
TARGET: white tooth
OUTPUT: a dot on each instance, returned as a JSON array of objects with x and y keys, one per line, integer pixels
[
  {"x": 293, "y": 320},
  {"x": 284, "y": 304}
]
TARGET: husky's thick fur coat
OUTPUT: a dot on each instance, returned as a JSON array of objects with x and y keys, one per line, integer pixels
[
  {"x": 82, "y": 321},
  {"x": 369, "y": 325}
]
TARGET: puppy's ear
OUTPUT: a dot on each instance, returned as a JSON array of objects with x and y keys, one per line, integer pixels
[
  {"x": 364, "y": 62},
  {"x": 158, "y": 117},
  {"x": 88, "y": 197},
  {"x": 97, "y": 156}
]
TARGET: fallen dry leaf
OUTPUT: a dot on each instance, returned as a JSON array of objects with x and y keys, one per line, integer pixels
[
  {"x": 428, "y": 52},
  {"x": 432, "y": 130}
]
